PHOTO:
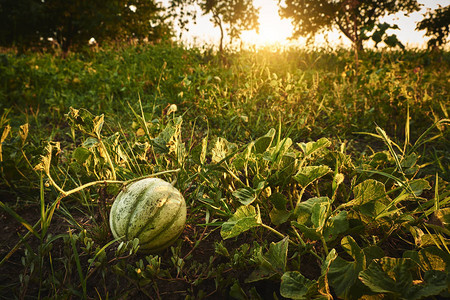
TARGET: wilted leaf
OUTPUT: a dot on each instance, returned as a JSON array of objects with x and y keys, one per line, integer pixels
[
  {"x": 166, "y": 137},
  {"x": 85, "y": 121},
  {"x": 309, "y": 174},
  {"x": 221, "y": 148},
  {"x": 23, "y": 132},
  {"x": 243, "y": 219}
]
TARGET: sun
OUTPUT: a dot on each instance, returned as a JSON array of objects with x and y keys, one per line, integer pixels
[{"x": 272, "y": 29}]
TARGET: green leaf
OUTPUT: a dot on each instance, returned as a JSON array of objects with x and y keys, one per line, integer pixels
[
  {"x": 279, "y": 214},
  {"x": 304, "y": 210},
  {"x": 394, "y": 276},
  {"x": 371, "y": 198},
  {"x": 272, "y": 263},
  {"x": 313, "y": 147},
  {"x": 413, "y": 189},
  {"x": 336, "y": 225},
  {"x": 243, "y": 219},
  {"x": 261, "y": 144},
  {"x": 81, "y": 154},
  {"x": 245, "y": 195},
  {"x": 285, "y": 170},
  {"x": 309, "y": 233},
  {"x": 236, "y": 292},
  {"x": 430, "y": 258},
  {"x": 309, "y": 174},
  {"x": 319, "y": 214},
  {"x": 276, "y": 153},
  {"x": 343, "y": 274},
  {"x": 295, "y": 286}
]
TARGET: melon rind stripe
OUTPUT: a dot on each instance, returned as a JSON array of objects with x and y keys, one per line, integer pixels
[
  {"x": 147, "y": 198},
  {"x": 162, "y": 230},
  {"x": 177, "y": 199}
]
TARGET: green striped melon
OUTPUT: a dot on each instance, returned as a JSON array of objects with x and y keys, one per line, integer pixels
[{"x": 151, "y": 210}]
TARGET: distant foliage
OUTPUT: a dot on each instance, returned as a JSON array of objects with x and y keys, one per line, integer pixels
[
  {"x": 237, "y": 14},
  {"x": 231, "y": 17},
  {"x": 437, "y": 25},
  {"x": 72, "y": 23},
  {"x": 352, "y": 17}
]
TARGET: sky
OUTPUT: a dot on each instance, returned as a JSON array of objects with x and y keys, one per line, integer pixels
[{"x": 276, "y": 31}]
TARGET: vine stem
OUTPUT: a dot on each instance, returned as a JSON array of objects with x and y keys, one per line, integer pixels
[
  {"x": 64, "y": 193},
  {"x": 278, "y": 233}
]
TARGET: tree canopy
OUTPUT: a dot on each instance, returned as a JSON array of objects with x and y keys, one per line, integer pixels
[
  {"x": 238, "y": 15},
  {"x": 354, "y": 18},
  {"x": 72, "y": 23},
  {"x": 437, "y": 26}
]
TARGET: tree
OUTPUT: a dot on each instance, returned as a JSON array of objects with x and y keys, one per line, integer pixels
[
  {"x": 73, "y": 23},
  {"x": 354, "y": 18},
  {"x": 20, "y": 21},
  {"x": 239, "y": 15},
  {"x": 437, "y": 26}
]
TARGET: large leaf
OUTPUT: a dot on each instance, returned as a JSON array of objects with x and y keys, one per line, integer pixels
[
  {"x": 430, "y": 258},
  {"x": 336, "y": 225},
  {"x": 343, "y": 274},
  {"x": 275, "y": 153},
  {"x": 279, "y": 214},
  {"x": 313, "y": 147},
  {"x": 304, "y": 210},
  {"x": 371, "y": 198},
  {"x": 245, "y": 195},
  {"x": 309, "y": 174},
  {"x": 308, "y": 232},
  {"x": 243, "y": 219},
  {"x": 394, "y": 276},
  {"x": 272, "y": 263},
  {"x": 284, "y": 171},
  {"x": 296, "y": 286},
  {"x": 261, "y": 144},
  {"x": 414, "y": 189}
]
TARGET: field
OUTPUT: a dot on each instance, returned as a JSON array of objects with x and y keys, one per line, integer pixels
[{"x": 305, "y": 174}]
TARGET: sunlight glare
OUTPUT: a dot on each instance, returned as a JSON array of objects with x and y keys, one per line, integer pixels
[{"x": 272, "y": 29}]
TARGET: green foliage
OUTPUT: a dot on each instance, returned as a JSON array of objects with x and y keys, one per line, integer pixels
[
  {"x": 237, "y": 15},
  {"x": 352, "y": 18},
  {"x": 437, "y": 26},
  {"x": 72, "y": 24},
  {"x": 302, "y": 178}
]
